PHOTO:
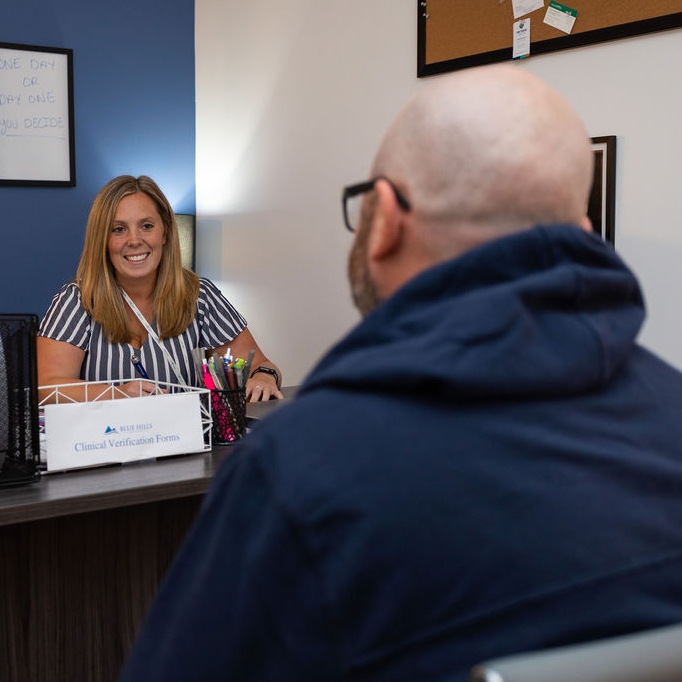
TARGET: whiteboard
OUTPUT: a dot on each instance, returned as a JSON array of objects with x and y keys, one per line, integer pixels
[{"x": 36, "y": 116}]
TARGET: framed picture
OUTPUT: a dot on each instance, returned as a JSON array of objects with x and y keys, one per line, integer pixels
[
  {"x": 36, "y": 116},
  {"x": 602, "y": 204},
  {"x": 186, "y": 223}
]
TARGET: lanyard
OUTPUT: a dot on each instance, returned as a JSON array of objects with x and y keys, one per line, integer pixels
[{"x": 155, "y": 338}]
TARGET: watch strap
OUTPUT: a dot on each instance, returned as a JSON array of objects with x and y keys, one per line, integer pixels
[{"x": 267, "y": 370}]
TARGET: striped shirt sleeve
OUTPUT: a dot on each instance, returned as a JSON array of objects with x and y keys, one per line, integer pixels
[
  {"x": 219, "y": 322},
  {"x": 66, "y": 319}
]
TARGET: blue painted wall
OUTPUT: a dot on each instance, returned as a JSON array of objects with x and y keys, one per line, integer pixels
[{"x": 134, "y": 113}]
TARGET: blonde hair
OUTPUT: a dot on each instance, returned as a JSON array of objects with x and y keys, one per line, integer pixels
[{"x": 176, "y": 290}]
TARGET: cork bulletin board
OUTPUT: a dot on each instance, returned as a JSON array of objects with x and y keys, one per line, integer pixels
[{"x": 456, "y": 34}]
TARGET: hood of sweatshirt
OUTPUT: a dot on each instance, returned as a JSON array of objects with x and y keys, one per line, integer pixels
[{"x": 546, "y": 312}]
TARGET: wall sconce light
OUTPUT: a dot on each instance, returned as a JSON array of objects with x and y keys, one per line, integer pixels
[{"x": 187, "y": 233}]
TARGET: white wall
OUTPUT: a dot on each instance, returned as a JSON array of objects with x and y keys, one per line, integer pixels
[{"x": 292, "y": 99}]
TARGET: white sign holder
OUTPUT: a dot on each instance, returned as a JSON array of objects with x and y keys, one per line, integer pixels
[{"x": 110, "y": 427}]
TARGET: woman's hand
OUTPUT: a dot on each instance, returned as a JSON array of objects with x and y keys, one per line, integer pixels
[
  {"x": 262, "y": 387},
  {"x": 138, "y": 388}
]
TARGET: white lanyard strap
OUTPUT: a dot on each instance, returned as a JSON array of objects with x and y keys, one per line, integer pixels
[{"x": 155, "y": 337}]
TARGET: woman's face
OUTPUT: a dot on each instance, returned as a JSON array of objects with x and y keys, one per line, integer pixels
[{"x": 136, "y": 239}]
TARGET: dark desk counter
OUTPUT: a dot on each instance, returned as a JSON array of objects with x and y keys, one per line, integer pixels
[
  {"x": 99, "y": 488},
  {"x": 96, "y": 489},
  {"x": 81, "y": 556}
]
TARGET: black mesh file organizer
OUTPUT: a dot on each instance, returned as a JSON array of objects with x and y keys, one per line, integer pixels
[{"x": 19, "y": 435}]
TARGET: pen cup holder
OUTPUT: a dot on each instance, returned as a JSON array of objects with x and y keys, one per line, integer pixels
[{"x": 228, "y": 413}]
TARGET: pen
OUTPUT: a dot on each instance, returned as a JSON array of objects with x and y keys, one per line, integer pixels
[
  {"x": 247, "y": 365},
  {"x": 213, "y": 372},
  {"x": 138, "y": 366},
  {"x": 206, "y": 375},
  {"x": 231, "y": 377}
]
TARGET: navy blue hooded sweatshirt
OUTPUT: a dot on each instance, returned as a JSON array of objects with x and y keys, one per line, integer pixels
[{"x": 488, "y": 463}]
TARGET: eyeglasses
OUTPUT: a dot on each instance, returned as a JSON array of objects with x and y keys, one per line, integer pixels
[{"x": 352, "y": 200}]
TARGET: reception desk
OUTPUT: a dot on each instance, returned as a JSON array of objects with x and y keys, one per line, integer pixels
[{"x": 81, "y": 557}]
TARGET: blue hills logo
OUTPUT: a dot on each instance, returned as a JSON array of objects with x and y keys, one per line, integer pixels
[{"x": 109, "y": 430}]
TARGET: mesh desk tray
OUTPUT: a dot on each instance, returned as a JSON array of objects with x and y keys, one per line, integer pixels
[{"x": 19, "y": 438}]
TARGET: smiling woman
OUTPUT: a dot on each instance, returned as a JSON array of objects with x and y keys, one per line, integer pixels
[{"x": 133, "y": 303}]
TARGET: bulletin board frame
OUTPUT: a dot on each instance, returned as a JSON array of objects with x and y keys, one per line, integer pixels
[
  {"x": 37, "y": 146},
  {"x": 466, "y": 33}
]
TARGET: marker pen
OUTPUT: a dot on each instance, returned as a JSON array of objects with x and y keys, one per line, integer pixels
[
  {"x": 214, "y": 373},
  {"x": 138, "y": 366},
  {"x": 206, "y": 375}
]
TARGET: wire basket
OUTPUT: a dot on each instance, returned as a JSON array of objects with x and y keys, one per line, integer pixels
[{"x": 112, "y": 390}]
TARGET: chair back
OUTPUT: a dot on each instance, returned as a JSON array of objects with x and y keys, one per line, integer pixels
[{"x": 650, "y": 656}]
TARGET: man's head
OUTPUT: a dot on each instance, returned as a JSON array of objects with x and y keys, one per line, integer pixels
[{"x": 477, "y": 155}]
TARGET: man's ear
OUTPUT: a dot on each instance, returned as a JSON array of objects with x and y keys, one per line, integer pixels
[
  {"x": 586, "y": 224},
  {"x": 386, "y": 232}
]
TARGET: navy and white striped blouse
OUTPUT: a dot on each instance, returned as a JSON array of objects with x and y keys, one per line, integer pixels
[{"x": 216, "y": 323}]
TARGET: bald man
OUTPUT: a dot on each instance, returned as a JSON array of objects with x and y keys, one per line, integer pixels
[{"x": 488, "y": 463}]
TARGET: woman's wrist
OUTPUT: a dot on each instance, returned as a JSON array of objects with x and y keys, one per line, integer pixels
[{"x": 266, "y": 369}]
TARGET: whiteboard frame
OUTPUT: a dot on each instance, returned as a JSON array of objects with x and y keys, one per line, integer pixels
[{"x": 67, "y": 149}]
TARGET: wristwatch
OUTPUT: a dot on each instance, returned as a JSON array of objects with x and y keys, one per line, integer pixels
[{"x": 267, "y": 370}]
